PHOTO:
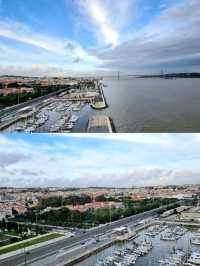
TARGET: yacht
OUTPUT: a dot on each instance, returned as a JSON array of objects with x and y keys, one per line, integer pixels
[
  {"x": 30, "y": 129},
  {"x": 76, "y": 107},
  {"x": 168, "y": 237},
  {"x": 195, "y": 258},
  {"x": 195, "y": 240},
  {"x": 20, "y": 128},
  {"x": 73, "y": 119},
  {"x": 69, "y": 126}
]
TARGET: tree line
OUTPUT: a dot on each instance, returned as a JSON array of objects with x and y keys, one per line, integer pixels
[{"x": 72, "y": 218}]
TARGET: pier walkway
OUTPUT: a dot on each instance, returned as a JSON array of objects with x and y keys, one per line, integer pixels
[
  {"x": 100, "y": 124},
  {"x": 101, "y": 102}
]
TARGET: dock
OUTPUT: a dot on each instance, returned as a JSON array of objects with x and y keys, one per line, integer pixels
[
  {"x": 99, "y": 103},
  {"x": 100, "y": 124},
  {"x": 99, "y": 246}
]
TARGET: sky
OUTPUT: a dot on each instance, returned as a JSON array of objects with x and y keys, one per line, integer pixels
[
  {"x": 122, "y": 160},
  {"x": 86, "y": 37}
]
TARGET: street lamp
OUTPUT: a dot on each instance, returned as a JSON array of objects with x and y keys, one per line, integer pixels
[{"x": 25, "y": 255}]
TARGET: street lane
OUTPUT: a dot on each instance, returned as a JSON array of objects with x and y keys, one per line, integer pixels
[{"x": 47, "y": 250}]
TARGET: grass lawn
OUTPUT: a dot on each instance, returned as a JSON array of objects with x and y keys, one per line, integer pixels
[
  {"x": 30, "y": 243},
  {"x": 11, "y": 233}
]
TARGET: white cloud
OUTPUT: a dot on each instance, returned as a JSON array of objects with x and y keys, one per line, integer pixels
[
  {"x": 141, "y": 177},
  {"x": 63, "y": 48},
  {"x": 169, "y": 41},
  {"x": 108, "y": 160},
  {"x": 99, "y": 17},
  {"x": 45, "y": 69},
  {"x": 161, "y": 139}
]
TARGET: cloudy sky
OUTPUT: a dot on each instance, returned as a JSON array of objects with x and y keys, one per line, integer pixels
[
  {"x": 72, "y": 37},
  {"x": 99, "y": 160}
]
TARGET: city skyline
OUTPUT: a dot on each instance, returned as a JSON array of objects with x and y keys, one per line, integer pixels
[
  {"x": 80, "y": 37},
  {"x": 123, "y": 160}
]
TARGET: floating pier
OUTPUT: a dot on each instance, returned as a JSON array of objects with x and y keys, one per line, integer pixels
[
  {"x": 100, "y": 124},
  {"x": 100, "y": 103}
]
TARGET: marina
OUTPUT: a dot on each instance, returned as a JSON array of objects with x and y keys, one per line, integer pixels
[
  {"x": 61, "y": 113},
  {"x": 133, "y": 104},
  {"x": 151, "y": 250}
]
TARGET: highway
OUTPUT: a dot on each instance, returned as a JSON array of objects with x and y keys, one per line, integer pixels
[
  {"x": 37, "y": 254},
  {"x": 12, "y": 111}
]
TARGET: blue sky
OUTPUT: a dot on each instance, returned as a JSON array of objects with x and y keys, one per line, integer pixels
[
  {"x": 99, "y": 160},
  {"x": 73, "y": 37}
]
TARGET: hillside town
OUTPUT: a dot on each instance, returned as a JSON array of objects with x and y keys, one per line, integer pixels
[{"x": 17, "y": 200}]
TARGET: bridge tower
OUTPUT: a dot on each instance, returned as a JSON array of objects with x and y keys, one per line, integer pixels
[{"x": 118, "y": 75}]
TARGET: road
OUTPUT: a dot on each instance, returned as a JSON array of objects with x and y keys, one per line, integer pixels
[
  {"x": 7, "y": 112},
  {"x": 40, "y": 253}
]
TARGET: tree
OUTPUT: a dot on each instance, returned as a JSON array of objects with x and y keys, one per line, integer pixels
[
  {"x": 14, "y": 212},
  {"x": 3, "y": 224}
]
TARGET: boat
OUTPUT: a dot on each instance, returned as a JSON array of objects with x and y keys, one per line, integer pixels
[
  {"x": 195, "y": 240},
  {"x": 30, "y": 129},
  {"x": 20, "y": 128},
  {"x": 73, "y": 119},
  {"x": 194, "y": 258},
  {"x": 76, "y": 107},
  {"x": 168, "y": 237},
  {"x": 155, "y": 230},
  {"x": 40, "y": 121},
  {"x": 54, "y": 129},
  {"x": 68, "y": 126}
]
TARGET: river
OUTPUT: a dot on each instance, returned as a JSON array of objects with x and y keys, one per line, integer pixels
[{"x": 149, "y": 105}]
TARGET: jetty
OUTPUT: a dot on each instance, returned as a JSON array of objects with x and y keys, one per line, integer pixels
[
  {"x": 100, "y": 124},
  {"x": 99, "y": 102}
]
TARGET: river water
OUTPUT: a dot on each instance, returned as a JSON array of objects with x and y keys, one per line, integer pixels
[
  {"x": 161, "y": 249},
  {"x": 143, "y": 105},
  {"x": 149, "y": 105}
]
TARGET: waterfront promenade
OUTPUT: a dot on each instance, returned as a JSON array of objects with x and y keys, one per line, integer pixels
[{"x": 39, "y": 254}]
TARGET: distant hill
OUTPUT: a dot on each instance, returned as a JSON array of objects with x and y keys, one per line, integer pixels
[{"x": 172, "y": 75}]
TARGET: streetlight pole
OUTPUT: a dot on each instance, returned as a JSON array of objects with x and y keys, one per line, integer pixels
[
  {"x": 25, "y": 255},
  {"x": 18, "y": 97}
]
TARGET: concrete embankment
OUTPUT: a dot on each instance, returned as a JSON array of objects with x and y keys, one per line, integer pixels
[
  {"x": 100, "y": 124},
  {"x": 100, "y": 104},
  {"x": 88, "y": 253},
  {"x": 185, "y": 223},
  {"x": 106, "y": 244}
]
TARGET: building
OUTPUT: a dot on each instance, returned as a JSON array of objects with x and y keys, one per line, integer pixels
[
  {"x": 95, "y": 205},
  {"x": 8, "y": 91}
]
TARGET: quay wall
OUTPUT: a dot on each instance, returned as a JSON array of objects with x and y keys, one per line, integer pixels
[
  {"x": 88, "y": 253},
  {"x": 103, "y": 246}
]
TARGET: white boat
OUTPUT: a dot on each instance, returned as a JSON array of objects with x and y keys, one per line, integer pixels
[
  {"x": 40, "y": 121},
  {"x": 31, "y": 122},
  {"x": 168, "y": 236},
  {"x": 20, "y": 128},
  {"x": 30, "y": 129},
  {"x": 76, "y": 107},
  {"x": 69, "y": 126},
  {"x": 195, "y": 240},
  {"x": 73, "y": 119},
  {"x": 54, "y": 129},
  {"x": 195, "y": 258}
]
